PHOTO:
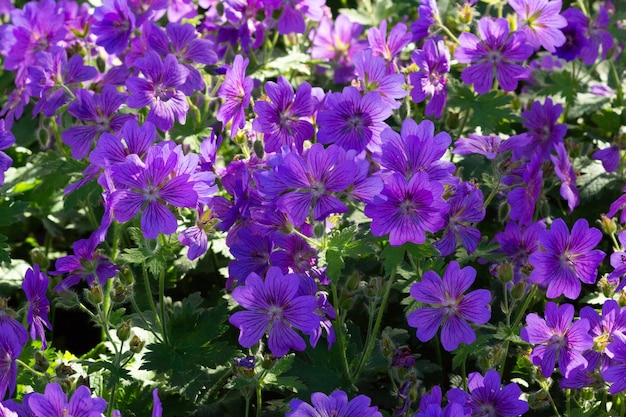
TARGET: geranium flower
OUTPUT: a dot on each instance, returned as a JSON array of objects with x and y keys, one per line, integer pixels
[
  {"x": 558, "y": 339},
  {"x": 407, "y": 209},
  {"x": 53, "y": 403},
  {"x": 488, "y": 399},
  {"x": 283, "y": 119},
  {"x": 336, "y": 405},
  {"x": 495, "y": 51},
  {"x": 541, "y": 21},
  {"x": 236, "y": 91},
  {"x": 430, "y": 80},
  {"x": 450, "y": 308},
  {"x": 160, "y": 89},
  {"x": 35, "y": 286},
  {"x": 352, "y": 121},
  {"x": 567, "y": 258},
  {"x": 273, "y": 306}
]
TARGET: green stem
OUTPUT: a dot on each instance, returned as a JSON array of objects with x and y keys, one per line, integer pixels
[
  {"x": 495, "y": 189},
  {"x": 370, "y": 346},
  {"x": 162, "y": 306},
  {"x": 146, "y": 282},
  {"x": 338, "y": 326},
  {"x": 143, "y": 319},
  {"x": 247, "y": 404},
  {"x": 29, "y": 369},
  {"x": 259, "y": 400},
  {"x": 618, "y": 83},
  {"x": 556, "y": 410},
  {"x": 518, "y": 319},
  {"x": 582, "y": 6}
]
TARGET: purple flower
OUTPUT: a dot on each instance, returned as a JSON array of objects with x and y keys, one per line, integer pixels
[
  {"x": 618, "y": 261},
  {"x": 373, "y": 75},
  {"x": 558, "y": 339},
  {"x": 85, "y": 263},
  {"x": 182, "y": 41},
  {"x": 35, "y": 286},
  {"x": 496, "y": 51},
  {"x": 417, "y": 149},
  {"x": 301, "y": 183},
  {"x": 407, "y": 209},
  {"x": 147, "y": 187},
  {"x": 113, "y": 149},
  {"x": 13, "y": 337},
  {"x": 525, "y": 197},
  {"x": 338, "y": 43},
  {"x": 428, "y": 15},
  {"x": 252, "y": 254},
  {"x": 603, "y": 330},
  {"x": 450, "y": 308},
  {"x": 544, "y": 131},
  {"x": 37, "y": 27},
  {"x": 283, "y": 119},
  {"x": 565, "y": 172},
  {"x": 517, "y": 243},
  {"x": 294, "y": 11},
  {"x": 489, "y": 146},
  {"x": 99, "y": 112},
  {"x": 430, "y": 80},
  {"x": 157, "y": 408},
  {"x": 610, "y": 157},
  {"x": 273, "y": 306},
  {"x": 575, "y": 39},
  {"x": 466, "y": 206},
  {"x": 113, "y": 26},
  {"x": 388, "y": 47},
  {"x": 236, "y": 91},
  {"x": 352, "y": 121},
  {"x": 541, "y": 21},
  {"x": 336, "y": 405},
  {"x": 616, "y": 373},
  {"x": 488, "y": 399},
  {"x": 598, "y": 36},
  {"x": 52, "y": 75},
  {"x": 567, "y": 259},
  {"x": 53, "y": 403},
  {"x": 6, "y": 141},
  {"x": 160, "y": 89}
]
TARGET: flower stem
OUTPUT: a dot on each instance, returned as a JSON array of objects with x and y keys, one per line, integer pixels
[
  {"x": 338, "y": 325},
  {"x": 372, "y": 340}
]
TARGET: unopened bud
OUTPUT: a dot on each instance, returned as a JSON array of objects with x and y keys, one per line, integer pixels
[
  {"x": 126, "y": 275},
  {"x": 41, "y": 362},
  {"x": 94, "y": 294},
  {"x": 608, "y": 224},
  {"x": 123, "y": 330},
  {"x": 136, "y": 344},
  {"x": 622, "y": 299},
  {"x": 518, "y": 290},
  {"x": 39, "y": 257},
  {"x": 353, "y": 282},
  {"x": 64, "y": 371},
  {"x": 505, "y": 272},
  {"x": 466, "y": 13},
  {"x": 258, "y": 149}
]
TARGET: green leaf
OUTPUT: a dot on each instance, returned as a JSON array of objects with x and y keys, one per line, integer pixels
[
  {"x": 334, "y": 264},
  {"x": 11, "y": 211},
  {"x": 487, "y": 111},
  {"x": 392, "y": 257},
  {"x": 463, "y": 352}
]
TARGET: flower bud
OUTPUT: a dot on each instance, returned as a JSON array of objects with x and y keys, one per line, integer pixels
[
  {"x": 518, "y": 290},
  {"x": 126, "y": 275},
  {"x": 466, "y": 13},
  {"x": 505, "y": 272},
  {"x": 123, "y": 330},
  {"x": 94, "y": 294},
  {"x": 64, "y": 371},
  {"x": 41, "y": 362},
  {"x": 136, "y": 344},
  {"x": 622, "y": 299},
  {"x": 608, "y": 224},
  {"x": 39, "y": 257}
]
